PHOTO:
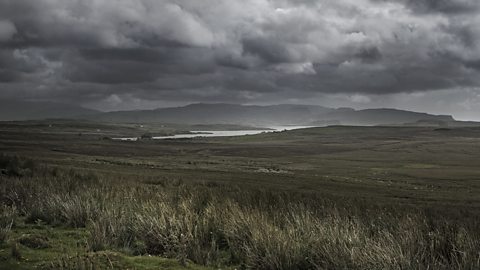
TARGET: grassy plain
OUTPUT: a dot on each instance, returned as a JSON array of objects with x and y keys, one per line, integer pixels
[{"x": 320, "y": 198}]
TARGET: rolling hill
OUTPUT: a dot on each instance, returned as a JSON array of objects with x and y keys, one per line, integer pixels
[
  {"x": 283, "y": 114},
  {"x": 228, "y": 114}
]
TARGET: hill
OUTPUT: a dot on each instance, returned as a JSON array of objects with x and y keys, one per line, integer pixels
[
  {"x": 283, "y": 114},
  {"x": 229, "y": 114},
  {"x": 220, "y": 113},
  {"x": 383, "y": 116}
]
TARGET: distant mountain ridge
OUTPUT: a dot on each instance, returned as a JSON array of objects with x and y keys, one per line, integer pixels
[
  {"x": 221, "y": 113},
  {"x": 224, "y": 113},
  {"x": 271, "y": 115},
  {"x": 384, "y": 116}
]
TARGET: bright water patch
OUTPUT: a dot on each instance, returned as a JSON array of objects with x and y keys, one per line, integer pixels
[{"x": 220, "y": 133}]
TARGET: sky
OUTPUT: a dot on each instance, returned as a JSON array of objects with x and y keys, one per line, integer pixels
[{"x": 421, "y": 55}]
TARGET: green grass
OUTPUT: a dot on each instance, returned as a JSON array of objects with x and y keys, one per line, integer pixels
[
  {"x": 65, "y": 248},
  {"x": 323, "y": 198}
]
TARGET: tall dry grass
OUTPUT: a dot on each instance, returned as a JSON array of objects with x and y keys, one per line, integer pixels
[
  {"x": 8, "y": 217},
  {"x": 213, "y": 224}
]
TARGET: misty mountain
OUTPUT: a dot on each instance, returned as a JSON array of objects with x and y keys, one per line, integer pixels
[
  {"x": 14, "y": 110},
  {"x": 221, "y": 114},
  {"x": 370, "y": 117},
  {"x": 284, "y": 114}
]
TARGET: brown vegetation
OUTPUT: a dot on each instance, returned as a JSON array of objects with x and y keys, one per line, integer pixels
[{"x": 218, "y": 224}]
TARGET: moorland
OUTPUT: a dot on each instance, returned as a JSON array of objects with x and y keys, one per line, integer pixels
[{"x": 337, "y": 197}]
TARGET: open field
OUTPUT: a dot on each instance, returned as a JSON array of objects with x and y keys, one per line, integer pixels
[{"x": 320, "y": 198}]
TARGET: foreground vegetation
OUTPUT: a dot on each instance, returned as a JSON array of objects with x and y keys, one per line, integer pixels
[
  {"x": 224, "y": 225},
  {"x": 331, "y": 198}
]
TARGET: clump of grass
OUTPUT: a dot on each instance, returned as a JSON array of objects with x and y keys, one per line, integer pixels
[
  {"x": 8, "y": 217},
  {"x": 15, "y": 251},
  {"x": 102, "y": 260},
  {"x": 73, "y": 210},
  {"x": 34, "y": 241}
]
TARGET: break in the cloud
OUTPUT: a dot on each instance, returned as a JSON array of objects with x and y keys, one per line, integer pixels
[{"x": 115, "y": 54}]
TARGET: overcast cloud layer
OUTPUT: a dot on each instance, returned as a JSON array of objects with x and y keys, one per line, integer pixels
[{"x": 122, "y": 54}]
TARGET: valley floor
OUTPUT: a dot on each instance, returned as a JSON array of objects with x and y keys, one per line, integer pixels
[{"x": 318, "y": 198}]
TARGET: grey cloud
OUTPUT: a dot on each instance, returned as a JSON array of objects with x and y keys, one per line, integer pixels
[
  {"x": 113, "y": 66},
  {"x": 475, "y": 64},
  {"x": 17, "y": 65},
  {"x": 267, "y": 50},
  {"x": 9, "y": 76},
  {"x": 94, "y": 23},
  {"x": 232, "y": 50},
  {"x": 453, "y": 7},
  {"x": 369, "y": 54},
  {"x": 446, "y": 6},
  {"x": 7, "y": 30}
]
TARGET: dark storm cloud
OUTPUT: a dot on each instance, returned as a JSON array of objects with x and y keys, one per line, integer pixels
[
  {"x": 443, "y": 6},
  {"x": 266, "y": 50},
  {"x": 369, "y": 54},
  {"x": 232, "y": 50},
  {"x": 119, "y": 65}
]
